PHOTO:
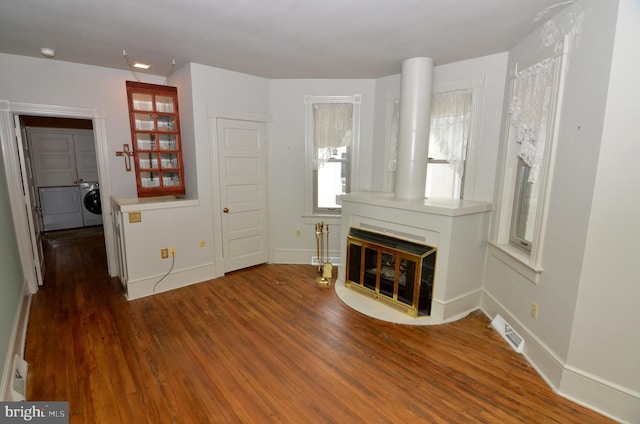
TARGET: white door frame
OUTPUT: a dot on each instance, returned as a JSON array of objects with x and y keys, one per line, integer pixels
[
  {"x": 29, "y": 199},
  {"x": 212, "y": 115},
  {"x": 12, "y": 160}
]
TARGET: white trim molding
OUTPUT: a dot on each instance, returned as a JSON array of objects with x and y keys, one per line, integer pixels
[
  {"x": 12, "y": 158},
  {"x": 566, "y": 380},
  {"x": 17, "y": 342},
  {"x": 530, "y": 263}
]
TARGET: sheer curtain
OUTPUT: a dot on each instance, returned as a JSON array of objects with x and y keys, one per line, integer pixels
[
  {"x": 530, "y": 112},
  {"x": 450, "y": 123},
  {"x": 332, "y": 126},
  {"x": 449, "y": 130}
]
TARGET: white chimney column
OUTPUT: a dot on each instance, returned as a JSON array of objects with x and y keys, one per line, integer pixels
[{"x": 415, "y": 120}]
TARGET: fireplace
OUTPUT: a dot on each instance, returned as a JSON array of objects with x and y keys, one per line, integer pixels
[
  {"x": 447, "y": 235},
  {"x": 393, "y": 271},
  {"x": 456, "y": 229}
]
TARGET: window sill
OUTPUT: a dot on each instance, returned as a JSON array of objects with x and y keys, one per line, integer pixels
[{"x": 517, "y": 260}]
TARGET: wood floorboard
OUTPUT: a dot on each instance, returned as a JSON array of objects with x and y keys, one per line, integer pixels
[{"x": 263, "y": 345}]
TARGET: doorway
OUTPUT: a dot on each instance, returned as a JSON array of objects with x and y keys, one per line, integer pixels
[
  {"x": 13, "y": 156},
  {"x": 60, "y": 166}
]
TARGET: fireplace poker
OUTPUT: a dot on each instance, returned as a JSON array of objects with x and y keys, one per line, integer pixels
[{"x": 322, "y": 245}]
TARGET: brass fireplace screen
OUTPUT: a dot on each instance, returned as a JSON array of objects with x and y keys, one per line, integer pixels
[{"x": 396, "y": 272}]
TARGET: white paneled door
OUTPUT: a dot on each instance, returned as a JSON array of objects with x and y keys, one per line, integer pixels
[
  {"x": 33, "y": 212},
  {"x": 243, "y": 192}
]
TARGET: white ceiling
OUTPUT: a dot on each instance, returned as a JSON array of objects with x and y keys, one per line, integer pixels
[{"x": 270, "y": 38}]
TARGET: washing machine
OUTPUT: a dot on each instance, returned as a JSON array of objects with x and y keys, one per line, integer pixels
[{"x": 91, "y": 206}]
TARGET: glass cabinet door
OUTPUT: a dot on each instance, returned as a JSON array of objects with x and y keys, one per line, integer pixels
[
  {"x": 144, "y": 122},
  {"x": 168, "y": 142},
  {"x": 145, "y": 141},
  {"x": 166, "y": 123},
  {"x": 155, "y": 133},
  {"x": 169, "y": 160},
  {"x": 164, "y": 104},
  {"x": 142, "y": 101}
]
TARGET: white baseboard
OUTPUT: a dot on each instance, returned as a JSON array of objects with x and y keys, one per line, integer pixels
[
  {"x": 618, "y": 403},
  {"x": 157, "y": 284},
  {"x": 298, "y": 256},
  {"x": 462, "y": 305},
  {"x": 16, "y": 343},
  {"x": 600, "y": 395}
]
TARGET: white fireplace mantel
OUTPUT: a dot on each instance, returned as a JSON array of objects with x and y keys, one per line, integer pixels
[
  {"x": 458, "y": 228},
  {"x": 447, "y": 207}
]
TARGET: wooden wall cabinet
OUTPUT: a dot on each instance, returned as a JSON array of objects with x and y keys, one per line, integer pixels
[{"x": 155, "y": 135}]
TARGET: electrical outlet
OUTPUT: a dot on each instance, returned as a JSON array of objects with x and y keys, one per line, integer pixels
[
  {"x": 164, "y": 253},
  {"x": 534, "y": 310},
  {"x": 172, "y": 251}
]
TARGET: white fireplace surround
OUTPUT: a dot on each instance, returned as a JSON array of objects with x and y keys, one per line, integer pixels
[{"x": 457, "y": 228}]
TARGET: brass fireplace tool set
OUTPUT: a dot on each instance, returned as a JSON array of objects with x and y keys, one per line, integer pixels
[{"x": 325, "y": 267}]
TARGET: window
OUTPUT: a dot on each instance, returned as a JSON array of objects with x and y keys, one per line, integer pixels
[
  {"x": 455, "y": 115},
  {"x": 527, "y": 158},
  {"x": 530, "y": 113},
  {"x": 332, "y": 133},
  {"x": 525, "y": 202},
  {"x": 449, "y": 133}
]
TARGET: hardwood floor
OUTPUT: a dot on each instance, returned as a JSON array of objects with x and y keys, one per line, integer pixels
[{"x": 263, "y": 345}]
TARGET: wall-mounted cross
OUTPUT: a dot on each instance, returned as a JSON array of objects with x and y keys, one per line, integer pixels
[{"x": 126, "y": 153}]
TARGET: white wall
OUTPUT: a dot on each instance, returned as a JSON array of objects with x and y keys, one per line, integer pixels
[
  {"x": 202, "y": 91},
  {"x": 36, "y": 81},
  {"x": 288, "y": 150},
  {"x": 387, "y": 91},
  {"x": 218, "y": 92},
  {"x": 287, "y": 166},
  {"x": 51, "y": 82},
  {"x": 563, "y": 341},
  {"x": 492, "y": 69},
  {"x": 607, "y": 313}
]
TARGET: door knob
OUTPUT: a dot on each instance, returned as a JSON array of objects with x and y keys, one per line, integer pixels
[{"x": 225, "y": 210}]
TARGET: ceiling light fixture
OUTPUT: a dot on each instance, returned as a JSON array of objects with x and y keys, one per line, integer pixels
[
  {"x": 141, "y": 65},
  {"x": 47, "y": 52}
]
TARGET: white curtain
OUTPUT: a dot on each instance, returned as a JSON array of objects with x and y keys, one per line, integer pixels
[
  {"x": 530, "y": 111},
  {"x": 332, "y": 128},
  {"x": 450, "y": 123}
]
